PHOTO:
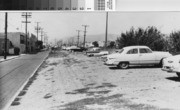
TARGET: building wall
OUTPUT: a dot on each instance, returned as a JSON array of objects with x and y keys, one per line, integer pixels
[
  {"x": 74, "y": 4},
  {"x": 89, "y": 5},
  {"x": 23, "y": 4},
  {"x": 15, "y": 4},
  {"x": 52, "y": 4},
  {"x": 37, "y": 4},
  {"x": 66, "y": 4},
  {"x": 81, "y": 4},
  {"x": 59, "y": 4},
  {"x": 30, "y": 4},
  {"x": 14, "y": 37},
  {"x": 110, "y": 5},
  {"x": 44, "y": 4}
]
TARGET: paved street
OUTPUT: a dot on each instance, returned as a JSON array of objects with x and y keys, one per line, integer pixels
[
  {"x": 13, "y": 74},
  {"x": 73, "y": 81}
]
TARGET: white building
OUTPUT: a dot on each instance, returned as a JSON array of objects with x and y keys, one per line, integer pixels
[
  {"x": 89, "y": 5},
  {"x": 107, "y": 5}
]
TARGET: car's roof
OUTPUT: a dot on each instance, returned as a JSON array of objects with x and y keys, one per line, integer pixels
[{"x": 137, "y": 46}]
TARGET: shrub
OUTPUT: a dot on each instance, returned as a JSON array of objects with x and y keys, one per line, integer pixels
[
  {"x": 150, "y": 37},
  {"x": 16, "y": 50}
]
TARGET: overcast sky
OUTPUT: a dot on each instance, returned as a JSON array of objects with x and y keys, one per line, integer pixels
[{"x": 60, "y": 25}]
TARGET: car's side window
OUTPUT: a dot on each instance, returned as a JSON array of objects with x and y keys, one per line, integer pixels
[
  {"x": 132, "y": 51},
  {"x": 148, "y": 50},
  {"x": 145, "y": 50}
]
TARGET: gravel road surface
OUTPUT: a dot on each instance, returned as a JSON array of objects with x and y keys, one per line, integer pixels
[{"x": 73, "y": 81}]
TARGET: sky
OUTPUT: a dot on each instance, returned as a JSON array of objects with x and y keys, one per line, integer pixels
[
  {"x": 60, "y": 25},
  {"x": 163, "y": 14}
]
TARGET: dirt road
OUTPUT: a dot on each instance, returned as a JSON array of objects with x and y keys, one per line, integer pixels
[{"x": 73, "y": 81}]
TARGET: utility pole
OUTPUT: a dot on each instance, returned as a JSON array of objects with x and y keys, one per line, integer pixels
[
  {"x": 37, "y": 29},
  {"x": 42, "y": 34},
  {"x": 5, "y": 40},
  {"x": 26, "y": 15},
  {"x": 106, "y": 30},
  {"x": 85, "y": 26},
  {"x": 78, "y": 37}
]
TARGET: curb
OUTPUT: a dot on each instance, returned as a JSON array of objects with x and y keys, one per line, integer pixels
[
  {"x": 18, "y": 91},
  {"x": 12, "y": 58}
]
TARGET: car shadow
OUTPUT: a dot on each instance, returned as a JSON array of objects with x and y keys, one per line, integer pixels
[
  {"x": 176, "y": 79},
  {"x": 133, "y": 67}
]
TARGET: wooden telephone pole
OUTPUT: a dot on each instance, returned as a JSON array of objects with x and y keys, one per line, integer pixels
[
  {"x": 5, "y": 40},
  {"x": 26, "y": 15},
  {"x": 78, "y": 37},
  {"x": 85, "y": 26}
]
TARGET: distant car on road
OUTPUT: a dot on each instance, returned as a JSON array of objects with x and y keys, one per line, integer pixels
[
  {"x": 136, "y": 55},
  {"x": 172, "y": 64}
]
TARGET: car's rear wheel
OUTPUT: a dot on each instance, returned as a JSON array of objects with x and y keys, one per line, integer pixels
[
  {"x": 123, "y": 65},
  {"x": 178, "y": 74}
]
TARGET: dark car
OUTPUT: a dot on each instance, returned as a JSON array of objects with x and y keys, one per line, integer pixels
[{"x": 78, "y": 49}]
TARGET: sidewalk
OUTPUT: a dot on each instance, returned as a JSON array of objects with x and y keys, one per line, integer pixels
[{"x": 8, "y": 58}]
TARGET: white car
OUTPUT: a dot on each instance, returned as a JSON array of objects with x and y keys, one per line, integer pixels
[
  {"x": 136, "y": 55},
  {"x": 102, "y": 53},
  {"x": 172, "y": 64}
]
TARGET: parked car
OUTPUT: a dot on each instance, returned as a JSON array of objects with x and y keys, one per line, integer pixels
[
  {"x": 136, "y": 55},
  {"x": 101, "y": 53},
  {"x": 172, "y": 64},
  {"x": 104, "y": 57},
  {"x": 78, "y": 49},
  {"x": 91, "y": 51}
]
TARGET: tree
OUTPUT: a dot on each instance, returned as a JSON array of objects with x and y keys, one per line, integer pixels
[
  {"x": 150, "y": 37},
  {"x": 174, "y": 41},
  {"x": 112, "y": 44},
  {"x": 95, "y": 43}
]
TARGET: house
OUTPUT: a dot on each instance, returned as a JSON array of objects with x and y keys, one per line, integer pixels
[{"x": 18, "y": 39}]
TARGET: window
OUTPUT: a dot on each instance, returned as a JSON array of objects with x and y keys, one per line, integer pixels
[
  {"x": 59, "y": 8},
  {"x": 66, "y": 8},
  {"x": 145, "y": 50},
  {"x": 119, "y": 51},
  {"x": 74, "y": 8},
  {"x": 22, "y": 40},
  {"x": 81, "y": 8},
  {"x": 132, "y": 51}
]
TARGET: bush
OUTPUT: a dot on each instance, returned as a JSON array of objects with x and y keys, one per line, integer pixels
[
  {"x": 150, "y": 37},
  {"x": 16, "y": 51},
  {"x": 174, "y": 42}
]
